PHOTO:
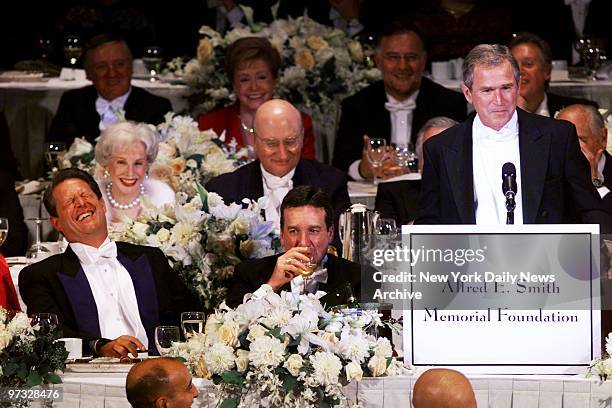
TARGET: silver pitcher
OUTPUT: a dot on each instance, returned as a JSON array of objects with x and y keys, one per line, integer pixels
[{"x": 354, "y": 224}]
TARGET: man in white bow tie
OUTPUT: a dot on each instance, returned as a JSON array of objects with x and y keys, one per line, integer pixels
[
  {"x": 395, "y": 108},
  {"x": 306, "y": 232},
  {"x": 84, "y": 112},
  {"x": 278, "y": 145},
  {"x": 112, "y": 295},
  {"x": 461, "y": 181}
]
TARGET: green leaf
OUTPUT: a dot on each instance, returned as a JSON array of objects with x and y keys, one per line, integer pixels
[
  {"x": 229, "y": 403},
  {"x": 289, "y": 383},
  {"x": 53, "y": 378},
  {"x": 276, "y": 332},
  {"x": 203, "y": 196},
  {"x": 34, "y": 379},
  {"x": 233, "y": 377}
]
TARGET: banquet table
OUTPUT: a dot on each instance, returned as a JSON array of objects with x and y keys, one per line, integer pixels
[
  {"x": 29, "y": 108},
  {"x": 105, "y": 390}
]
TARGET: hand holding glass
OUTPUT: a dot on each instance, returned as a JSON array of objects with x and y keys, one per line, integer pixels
[
  {"x": 309, "y": 267},
  {"x": 164, "y": 337}
]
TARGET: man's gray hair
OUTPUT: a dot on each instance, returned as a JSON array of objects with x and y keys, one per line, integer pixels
[
  {"x": 436, "y": 122},
  {"x": 123, "y": 135},
  {"x": 596, "y": 119},
  {"x": 489, "y": 55}
]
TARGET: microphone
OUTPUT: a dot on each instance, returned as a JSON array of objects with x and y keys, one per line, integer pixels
[
  {"x": 509, "y": 180},
  {"x": 509, "y": 189}
]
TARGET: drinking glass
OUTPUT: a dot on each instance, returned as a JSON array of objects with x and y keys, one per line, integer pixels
[
  {"x": 4, "y": 228},
  {"x": 46, "y": 321},
  {"x": 309, "y": 267},
  {"x": 386, "y": 226},
  {"x": 37, "y": 251},
  {"x": 45, "y": 45},
  {"x": 152, "y": 59},
  {"x": 376, "y": 152},
  {"x": 192, "y": 322},
  {"x": 164, "y": 337},
  {"x": 406, "y": 158},
  {"x": 53, "y": 154},
  {"x": 73, "y": 48}
]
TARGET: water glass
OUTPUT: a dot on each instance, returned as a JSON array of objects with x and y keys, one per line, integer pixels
[
  {"x": 53, "y": 154},
  {"x": 73, "y": 48},
  {"x": 152, "y": 59},
  {"x": 192, "y": 322},
  {"x": 47, "y": 322},
  {"x": 165, "y": 336},
  {"x": 386, "y": 226},
  {"x": 376, "y": 153},
  {"x": 406, "y": 158},
  {"x": 4, "y": 228},
  {"x": 37, "y": 251}
]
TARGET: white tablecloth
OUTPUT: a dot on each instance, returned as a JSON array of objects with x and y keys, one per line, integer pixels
[
  {"x": 29, "y": 108},
  {"x": 88, "y": 390}
]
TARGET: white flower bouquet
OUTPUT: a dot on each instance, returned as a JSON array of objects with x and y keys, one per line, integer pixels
[
  {"x": 602, "y": 366},
  {"x": 286, "y": 350},
  {"x": 203, "y": 238}
]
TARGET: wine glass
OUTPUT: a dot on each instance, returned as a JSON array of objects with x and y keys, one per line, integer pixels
[
  {"x": 73, "y": 48},
  {"x": 307, "y": 268},
  {"x": 45, "y": 46},
  {"x": 4, "y": 228},
  {"x": 37, "y": 251},
  {"x": 376, "y": 152},
  {"x": 406, "y": 158},
  {"x": 47, "y": 322},
  {"x": 385, "y": 226},
  {"x": 53, "y": 154},
  {"x": 164, "y": 337},
  {"x": 152, "y": 59},
  {"x": 192, "y": 322}
]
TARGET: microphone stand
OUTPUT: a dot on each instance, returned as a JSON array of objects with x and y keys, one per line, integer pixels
[{"x": 510, "y": 206}]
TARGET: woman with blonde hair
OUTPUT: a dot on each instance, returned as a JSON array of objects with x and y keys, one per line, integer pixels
[{"x": 124, "y": 153}]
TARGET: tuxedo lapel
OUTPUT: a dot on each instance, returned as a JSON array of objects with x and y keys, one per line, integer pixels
[
  {"x": 459, "y": 167},
  {"x": 334, "y": 287},
  {"x": 254, "y": 182},
  {"x": 79, "y": 294},
  {"x": 146, "y": 293},
  {"x": 90, "y": 116},
  {"x": 534, "y": 151}
]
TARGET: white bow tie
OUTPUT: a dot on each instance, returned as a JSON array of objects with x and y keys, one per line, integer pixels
[
  {"x": 105, "y": 253},
  {"x": 274, "y": 182},
  {"x": 108, "y": 111},
  {"x": 406, "y": 106}
]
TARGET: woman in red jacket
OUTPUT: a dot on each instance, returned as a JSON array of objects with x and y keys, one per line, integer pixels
[{"x": 252, "y": 64}]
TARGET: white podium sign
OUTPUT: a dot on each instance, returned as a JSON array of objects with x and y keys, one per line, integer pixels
[{"x": 527, "y": 300}]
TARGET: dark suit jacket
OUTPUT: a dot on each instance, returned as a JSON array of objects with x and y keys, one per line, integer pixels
[
  {"x": 249, "y": 275},
  {"x": 59, "y": 285},
  {"x": 247, "y": 182},
  {"x": 555, "y": 176},
  {"x": 77, "y": 116},
  {"x": 228, "y": 119},
  {"x": 365, "y": 113},
  {"x": 398, "y": 200},
  {"x": 17, "y": 240},
  {"x": 557, "y": 102}
]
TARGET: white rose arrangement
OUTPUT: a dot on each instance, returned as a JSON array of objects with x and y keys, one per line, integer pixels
[
  {"x": 602, "y": 366},
  {"x": 286, "y": 351}
]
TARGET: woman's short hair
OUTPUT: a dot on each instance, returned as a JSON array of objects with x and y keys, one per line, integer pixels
[
  {"x": 249, "y": 49},
  {"x": 123, "y": 135}
]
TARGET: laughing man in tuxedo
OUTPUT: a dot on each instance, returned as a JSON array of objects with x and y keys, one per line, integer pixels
[
  {"x": 279, "y": 135},
  {"x": 461, "y": 177},
  {"x": 396, "y": 107},
  {"x": 84, "y": 112},
  {"x": 110, "y": 294},
  {"x": 306, "y": 228}
]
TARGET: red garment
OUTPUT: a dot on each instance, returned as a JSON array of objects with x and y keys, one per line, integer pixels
[
  {"x": 8, "y": 295},
  {"x": 228, "y": 119}
]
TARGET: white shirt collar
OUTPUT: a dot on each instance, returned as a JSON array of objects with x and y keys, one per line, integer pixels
[
  {"x": 272, "y": 180},
  {"x": 543, "y": 108},
  {"x": 486, "y": 133},
  {"x": 88, "y": 254},
  {"x": 408, "y": 101},
  {"x": 120, "y": 100}
]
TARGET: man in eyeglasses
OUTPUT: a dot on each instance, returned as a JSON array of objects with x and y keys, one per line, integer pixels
[{"x": 279, "y": 168}]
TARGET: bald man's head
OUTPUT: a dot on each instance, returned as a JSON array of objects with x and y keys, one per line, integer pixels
[
  {"x": 590, "y": 126},
  {"x": 154, "y": 381},
  {"x": 278, "y": 136},
  {"x": 443, "y": 388}
]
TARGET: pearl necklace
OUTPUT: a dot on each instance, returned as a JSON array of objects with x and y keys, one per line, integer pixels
[
  {"x": 246, "y": 128},
  {"x": 114, "y": 202}
]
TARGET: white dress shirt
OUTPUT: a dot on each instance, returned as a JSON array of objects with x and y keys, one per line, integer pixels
[
  {"x": 491, "y": 149},
  {"x": 275, "y": 188},
  {"x": 603, "y": 190},
  {"x": 109, "y": 110},
  {"x": 113, "y": 291},
  {"x": 401, "y": 113},
  {"x": 543, "y": 108}
]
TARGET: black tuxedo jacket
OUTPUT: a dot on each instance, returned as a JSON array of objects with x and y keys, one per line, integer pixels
[
  {"x": 555, "y": 176},
  {"x": 77, "y": 116},
  {"x": 59, "y": 285},
  {"x": 249, "y": 275},
  {"x": 247, "y": 182},
  {"x": 398, "y": 200},
  {"x": 365, "y": 113},
  {"x": 557, "y": 102}
]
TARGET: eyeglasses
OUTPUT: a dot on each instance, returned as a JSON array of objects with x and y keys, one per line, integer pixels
[{"x": 274, "y": 144}]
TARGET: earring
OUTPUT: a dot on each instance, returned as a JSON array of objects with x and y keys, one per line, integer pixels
[{"x": 106, "y": 174}]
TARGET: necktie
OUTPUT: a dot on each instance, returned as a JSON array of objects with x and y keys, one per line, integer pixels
[{"x": 108, "y": 111}]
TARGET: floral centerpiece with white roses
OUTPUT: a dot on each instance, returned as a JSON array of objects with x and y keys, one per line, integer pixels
[
  {"x": 603, "y": 366},
  {"x": 286, "y": 350},
  {"x": 28, "y": 357},
  {"x": 203, "y": 238},
  {"x": 320, "y": 66}
]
